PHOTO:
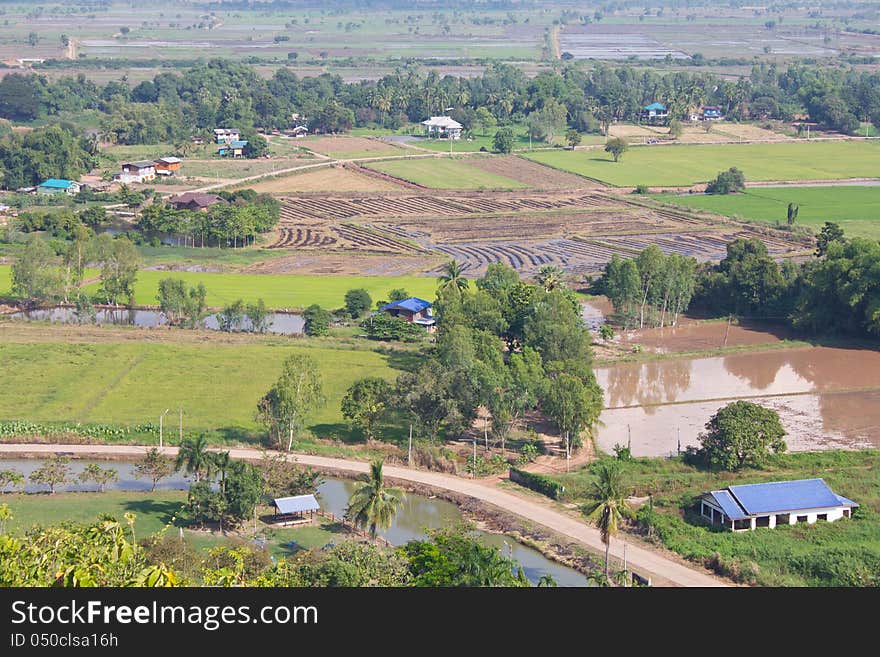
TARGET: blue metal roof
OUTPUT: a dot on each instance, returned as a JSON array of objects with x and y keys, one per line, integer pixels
[
  {"x": 781, "y": 496},
  {"x": 413, "y": 304},
  {"x": 57, "y": 183},
  {"x": 237, "y": 144},
  {"x": 731, "y": 509},
  {"x": 655, "y": 106},
  {"x": 296, "y": 504}
]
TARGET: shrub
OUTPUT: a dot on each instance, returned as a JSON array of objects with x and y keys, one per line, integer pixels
[
  {"x": 538, "y": 483},
  {"x": 727, "y": 182}
]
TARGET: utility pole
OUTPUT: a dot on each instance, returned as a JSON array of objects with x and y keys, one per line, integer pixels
[
  {"x": 180, "y": 428},
  {"x": 486, "y": 431},
  {"x": 409, "y": 453},
  {"x": 475, "y": 458},
  {"x": 161, "y": 418}
]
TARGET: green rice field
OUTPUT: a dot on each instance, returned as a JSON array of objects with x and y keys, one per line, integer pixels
[
  {"x": 218, "y": 385},
  {"x": 673, "y": 166},
  {"x": 440, "y": 173},
  {"x": 856, "y": 209}
]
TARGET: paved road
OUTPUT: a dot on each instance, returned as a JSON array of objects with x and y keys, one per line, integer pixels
[{"x": 663, "y": 571}]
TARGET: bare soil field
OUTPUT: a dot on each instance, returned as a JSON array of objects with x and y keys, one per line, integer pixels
[
  {"x": 341, "y": 147},
  {"x": 747, "y": 131},
  {"x": 577, "y": 230},
  {"x": 339, "y": 179},
  {"x": 531, "y": 173},
  {"x": 635, "y": 131}
]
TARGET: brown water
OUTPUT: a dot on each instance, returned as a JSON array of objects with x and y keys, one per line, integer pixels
[
  {"x": 690, "y": 335},
  {"x": 826, "y": 397}
]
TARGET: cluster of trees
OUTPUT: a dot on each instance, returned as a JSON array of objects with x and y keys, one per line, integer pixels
[
  {"x": 56, "y": 472},
  {"x": 41, "y": 275},
  {"x": 652, "y": 289},
  {"x": 181, "y": 306},
  {"x": 233, "y": 316},
  {"x": 235, "y": 223},
  {"x": 727, "y": 182},
  {"x": 586, "y": 97},
  {"x": 837, "y": 292},
  {"x": 56, "y": 151},
  {"x": 741, "y": 434},
  {"x": 508, "y": 346}
]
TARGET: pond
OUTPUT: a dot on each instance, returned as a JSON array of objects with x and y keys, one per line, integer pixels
[
  {"x": 279, "y": 323},
  {"x": 417, "y": 513}
]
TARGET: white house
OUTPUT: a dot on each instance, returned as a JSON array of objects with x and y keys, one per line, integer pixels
[
  {"x": 226, "y": 135},
  {"x": 137, "y": 172},
  {"x": 442, "y": 126},
  {"x": 775, "y": 503},
  {"x": 59, "y": 186}
]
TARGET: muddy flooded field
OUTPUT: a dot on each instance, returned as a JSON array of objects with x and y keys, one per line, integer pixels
[
  {"x": 690, "y": 335},
  {"x": 827, "y": 397}
]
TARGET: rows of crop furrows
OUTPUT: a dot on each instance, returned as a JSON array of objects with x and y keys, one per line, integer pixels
[
  {"x": 292, "y": 238},
  {"x": 476, "y": 256},
  {"x": 367, "y": 240},
  {"x": 295, "y": 209},
  {"x": 702, "y": 246},
  {"x": 400, "y": 231},
  {"x": 582, "y": 257}
]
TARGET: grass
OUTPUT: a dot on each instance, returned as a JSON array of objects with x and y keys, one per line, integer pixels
[
  {"x": 854, "y": 208},
  {"x": 5, "y": 280},
  {"x": 131, "y": 382},
  {"x": 842, "y": 553},
  {"x": 153, "y": 510},
  {"x": 439, "y": 173},
  {"x": 307, "y": 537},
  {"x": 282, "y": 290},
  {"x": 670, "y": 166}
]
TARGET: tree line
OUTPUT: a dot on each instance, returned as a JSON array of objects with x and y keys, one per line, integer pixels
[
  {"x": 584, "y": 96},
  {"x": 837, "y": 292}
]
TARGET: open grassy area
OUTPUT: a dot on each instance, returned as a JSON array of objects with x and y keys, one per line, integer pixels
[
  {"x": 153, "y": 510},
  {"x": 282, "y": 290},
  {"x": 842, "y": 553},
  {"x": 5, "y": 279},
  {"x": 670, "y": 166},
  {"x": 440, "y": 173},
  {"x": 306, "y": 537},
  {"x": 112, "y": 378},
  {"x": 856, "y": 209}
]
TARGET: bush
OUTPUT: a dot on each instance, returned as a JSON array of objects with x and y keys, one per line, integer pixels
[
  {"x": 727, "y": 182},
  {"x": 538, "y": 483},
  {"x": 384, "y": 327},
  {"x": 357, "y": 302},
  {"x": 641, "y": 189}
]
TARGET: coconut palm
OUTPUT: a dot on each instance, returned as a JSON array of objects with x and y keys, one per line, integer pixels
[
  {"x": 372, "y": 504},
  {"x": 607, "y": 506},
  {"x": 453, "y": 276},
  {"x": 550, "y": 277},
  {"x": 194, "y": 457},
  {"x": 220, "y": 463}
]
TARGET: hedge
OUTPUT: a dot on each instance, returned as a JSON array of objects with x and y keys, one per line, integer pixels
[{"x": 536, "y": 482}]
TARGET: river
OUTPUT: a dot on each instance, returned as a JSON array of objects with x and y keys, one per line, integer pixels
[{"x": 417, "y": 513}]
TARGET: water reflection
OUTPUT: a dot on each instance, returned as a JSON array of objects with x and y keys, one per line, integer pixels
[{"x": 279, "y": 323}]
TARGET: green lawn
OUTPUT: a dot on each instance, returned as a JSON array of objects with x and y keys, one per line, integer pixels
[
  {"x": 218, "y": 385},
  {"x": 842, "y": 553},
  {"x": 440, "y": 173},
  {"x": 307, "y": 537},
  {"x": 856, "y": 209},
  {"x": 153, "y": 510},
  {"x": 5, "y": 279},
  {"x": 670, "y": 166},
  {"x": 281, "y": 290}
]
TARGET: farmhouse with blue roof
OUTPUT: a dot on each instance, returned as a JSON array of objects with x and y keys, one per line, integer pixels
[
  {"x": 655, "y": 113},
  {"x": 59, "y": 186},
  {"x": 775, "y": 503},
  {"x": 414, "y": 310}
]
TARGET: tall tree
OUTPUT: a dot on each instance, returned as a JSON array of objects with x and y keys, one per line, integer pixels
[
  {"x": 119, "y": 266},
  {"x": 365, "y": 403},
  {"x": 740, "y": 434},
  {"x": 373, "y": 504},
  {"x": 154, "y": 466},
  {"x": 288, "y": 404},
  {"x": 607, "y": 503},
  {"x": 36, "y": 273},
  {"x": 452, "y": 276},
  {"x": 194, "y": 457}
]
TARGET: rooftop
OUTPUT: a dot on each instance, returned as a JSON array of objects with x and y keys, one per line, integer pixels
[
  {"x": 656, "y": 106},
  {"x": 296, "y": 504},
  {"x": 57, "y": 183},
  {"x": 442, "y": 122},
  {"x": 169, "y": 160},
  {"x": 413, "y": 304},
  {"x": 199, "y": 198},
  {"x": 140, "y": 164},
  {"x": 744, "y": 501},
  {"x": 237, "y": 144}
]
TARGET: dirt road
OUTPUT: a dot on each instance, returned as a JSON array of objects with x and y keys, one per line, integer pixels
[{"x": 663, "y": 571}]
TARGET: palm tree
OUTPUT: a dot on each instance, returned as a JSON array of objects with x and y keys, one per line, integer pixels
[
  {"x": 220, "y": 462},
  {"x": 372, "y": 503},
  {"x": 453, "y": 276},
  {"x": 550, "y": 277},
  {"x": 193, "y": 455},
  {"x": 607, "y": 506}
]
